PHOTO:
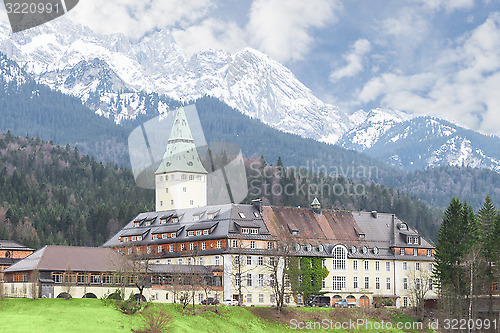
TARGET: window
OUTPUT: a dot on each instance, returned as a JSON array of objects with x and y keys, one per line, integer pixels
[
  {"x": 339, "y": 258},
  {"x": 418, "y": 284},
  {"x": 191, "y": 246},
  {"x": 205, "y": 232},
  {"x": 219, "y": 244},
  {"x": 201, "y": 261},
  {"x": 160, "y": 248},
  {"x": 179, "y": 261},
  {"x": 172, "y": 202},
  {"x": 147, "y": 223},
  {"x": 252, "y": 244},
  {"x": 405, "y": 301},
  {"x": 169, "y": 261},
  {"x": 260, "y": 261},
  {"x": 287, "y": 281},
  {"x": 200, "y": 298},
  {"x": 367, "y": 282},
  {"x": 249, "y": 279},
  {"x": 271, "y": 261},
  {"x": 355, "y": 282},
  {"x": 405, "y": 266},
  {"x": 203, "y": 245},
  {"x": 174, "y": 219},
  {"x": 430, "y": 266},
  {"x": 191, "y": 177},
  {"x": 249, "y": 298},
  {"x": 415, "y": 252},
  {"x": 183, "y": 177},
  {"x": 242, "y": 215},
  {"x": 245, "y": 230},
  {"x": 377, "y": 283},
  {"x": 287, "y": 299},
  {"x": 235, "y": 243},
  {"x": 388, "y": 283},
  {"x": 189, "y": 261},
  {"x": 198, "y": 232},
  {"x": 339, "y": 282},
  {"x": 237, "y": 280},
  {"x": 261, "y": 298},
  {"x": 173, "y": 235},
  {"x": 190, "y": 233},
  {"x": 260, "y": 280},
  {"x": 154, "y": 236},
  {"x": 183, "y": 247},
  {"x": 402, "y": 251},
  {"x": 130, "y": 250},
  {"x": 254, "y": 231},
  {"x": 171, "y": 248},
  {"x": 249, "y": 260},
  {"x": 429, "y": 253},
  {"x": 148, "y": 249},
  {"x": 217, "y": 260},
  {"x": 430, "y": 284},
  {"x": 210, "y": 216},
  {"x": 387, "y": 266},
  {"x": 367, "y": 265},
  {"x": 166, "y": 177},
  {"x": 138, "y": 250},
  {"x": 191, "y": 202},
  {"x": 300, "y": 280},
  {"x": 166, "y": 190},
  {"x": 405, "y": 283},
  {"x": 417, "y": 266},
  {"x": 269, "y": 245},
  {"x": 377, "y": 266},
  {"x": 355, "y": 265},
  {"x": 272, "y": 298},
  {"x": 323, "y": 283}
]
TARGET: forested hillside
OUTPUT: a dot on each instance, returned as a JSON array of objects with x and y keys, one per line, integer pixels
[{"x": 56, "y": 195}]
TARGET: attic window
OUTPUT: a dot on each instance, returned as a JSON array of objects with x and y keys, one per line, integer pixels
[
  {"x": 196, "y": 217},
  {"x": 210, "y": 216},
  {"x": 295, "y": 232},
  {"x": 256, "y": 214},
  {"x": 362, "y": 236},
  {"x": 137, "y": 223},
  {"x": 403, "y": 226},
  {"x": 245, "y": 230},
  {"x": 163, "y": 221},
  {"x": 191, "y": 233},
  {"x": 205, "y": 232},
  {"x": 147, "y": 223},
  {"x": 254, "y": 231},
  {"x": 175, "y": 219},
  {"x": 242, "y": 215}
]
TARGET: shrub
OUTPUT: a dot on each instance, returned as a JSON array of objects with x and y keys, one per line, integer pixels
[{"x": 155, "y": 321}]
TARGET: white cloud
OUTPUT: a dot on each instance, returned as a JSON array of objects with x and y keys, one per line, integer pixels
[
  {"x": 282, "y": 29},
  {"x": 354, "y": 60},
  {"x": 448, "y": 5},
  {"x": 136, "y": 18},
  {"x": 462, "y": 85},
  {"x": 211, "y": 34}
]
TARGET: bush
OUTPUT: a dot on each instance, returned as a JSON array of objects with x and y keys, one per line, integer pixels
[
  {"x": 155, "y": 321},
  {"x": 129, "y": 306}
]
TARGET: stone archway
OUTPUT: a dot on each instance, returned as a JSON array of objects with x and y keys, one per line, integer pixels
[{"x": 364, "y": 302}]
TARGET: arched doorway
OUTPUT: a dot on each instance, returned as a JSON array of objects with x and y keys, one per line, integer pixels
[
  {"x": 364, "y": 302},
  {"x": 335, "y": 299},
  {"x": 64, "y": 295},
  {"x": 89, "y": 295},
  {"x": 351, "y": 300}
]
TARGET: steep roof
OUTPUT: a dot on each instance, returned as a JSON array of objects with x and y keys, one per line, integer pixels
[
  {"x": 181, "y": 153},
  {"x": 74, "y": 258},
  {"x": 11, "y": 245}
]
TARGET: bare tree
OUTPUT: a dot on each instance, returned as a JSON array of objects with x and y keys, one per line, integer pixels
[
  {"x": 420, "y": 284},
  {"x": 278, "y": 266},
  {"x": 240, "y": 268},
  {"x": 35, "y": 283}
]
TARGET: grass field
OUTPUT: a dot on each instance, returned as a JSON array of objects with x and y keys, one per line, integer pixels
[{"x": 91, "y": 315}]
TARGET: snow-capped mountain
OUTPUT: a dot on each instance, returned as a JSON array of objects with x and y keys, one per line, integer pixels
[
  {"x": 120, "y": 78},
  {"x": 100, "y": 68},
  {"x": 11, "y": 73},
  {"x": 424, "y": 141}
]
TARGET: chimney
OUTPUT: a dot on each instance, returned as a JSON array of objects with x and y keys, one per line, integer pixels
[
  {"x": 374, "y": 214},
  {"x": 257, "y": 203}
]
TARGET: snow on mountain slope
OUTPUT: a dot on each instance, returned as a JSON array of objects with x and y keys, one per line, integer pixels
[
  {"x": 77, "y": 61},
  {"x": 370, "y": 127}
]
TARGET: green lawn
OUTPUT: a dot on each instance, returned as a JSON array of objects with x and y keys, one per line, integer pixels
[{"x": 91, "y": 315}]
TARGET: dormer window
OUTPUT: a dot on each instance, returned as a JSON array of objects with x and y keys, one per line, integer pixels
[
  {"x": 173, "y": 235},
  {"x": 147, "y": 223},
  {"x": 190, "y": 233},
  {"x": 254, "y": 231},
  {"x": 242, "y": 215},
  {"x": 164, "y": 235},
  {"x": 163, "y": 221},
  {"x": 196, "y": 217},
  {"x": 175, "y": 219},
  {"x": 245, "y": 230},
  {"x": 125, "y": 239},
  {"x": 137, "y": 223},
  {"x": 155, "y": 236},
  {"x": 205, "y": 232},
  {"x": 210, "y": 216},
  {"x": 256, "y": 214},
  {"x": 198, "y": 232},
  {"x": 402, "y": 251}
]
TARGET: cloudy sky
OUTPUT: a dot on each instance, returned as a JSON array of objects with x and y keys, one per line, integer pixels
[{"x": 423, "y": 56}]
